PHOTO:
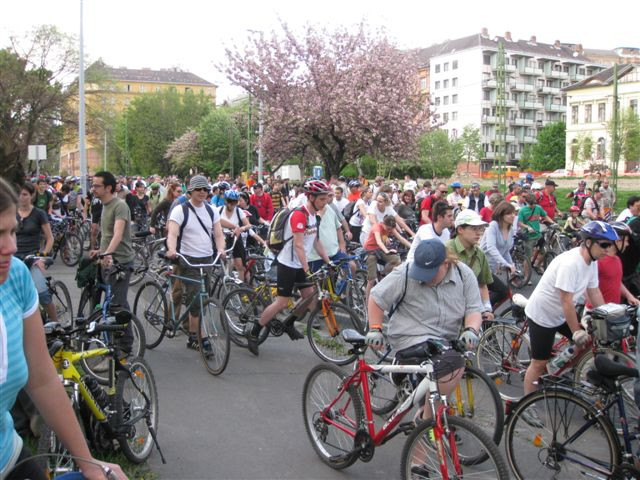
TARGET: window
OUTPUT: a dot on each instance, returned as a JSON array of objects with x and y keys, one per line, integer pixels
[
  {"x": 423, "y": 84},
  {"x": 142, "y": 88},
  {"x": 437, "y": 100},
  {"x": 158, "y": 89},
  {"x": 454, "y": 98},
  {"x": 445, "y": 100},
  {"x": 587, "y": 113},
  {"x": 446, "y": 67},
  {"x": 600, "y": 149},
  {"x": 602, "y": 108},
  {"x": 454, "y": 116},
  {"x": 486, "y": 59},
  {"x": 128, "y": 88},
  {"x": 454, "y": 65},
  {"x": 486, "y": 95},
  {"x": 454, "y": 132},
  {"x": 437, "y": 84},
  {"x": 574, "y": 114},
  {"x": 541, "y": 64},
  {"x": 633, "y": 105},
  {"x": 581, "y": 71},
  {"x": 438, "y": 68},
  {"x": 445, "y": 117},
  {"x": 445, "y": 83},
  {"x": 187, "y": 89},
  {"x": 486, "y": 112},
  {"x": 454, "y": 82}
]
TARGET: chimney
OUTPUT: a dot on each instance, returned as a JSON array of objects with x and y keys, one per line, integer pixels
[
  {"x": 484, "y": 32},
  {"x": 557, "y": 44},
  {"x": 507, "y": 36},
  {"x": 532, "y": 39},
  {"x": 578, "y": 48}
]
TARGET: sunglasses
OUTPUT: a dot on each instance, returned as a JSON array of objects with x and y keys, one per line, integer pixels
[
  {"x": 201, "y": 189},
  {"x": 605, "y": 245}
]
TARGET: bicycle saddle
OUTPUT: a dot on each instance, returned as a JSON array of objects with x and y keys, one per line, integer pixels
[
  {"x": 611, "y": 368},
  {"x": 142, "y": 234},
  {"x": 520, "y": 300},
  {"x": 352, "y": 336}
]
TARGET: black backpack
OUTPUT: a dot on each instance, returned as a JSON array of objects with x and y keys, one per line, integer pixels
[
  {"x": 186, "y": 206},
  {"x": 348, "y": 210}
]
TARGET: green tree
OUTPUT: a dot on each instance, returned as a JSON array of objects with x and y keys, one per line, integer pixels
[
  {"x": 527, "y": 157},
  {"x": 549, "y": 151},
  {"x": 219, "y": 140},
  {"x": 629, "y": 135},
  {"x": 438, "y": 155},
  {"x": 471, "y": 144},
  {"x": 152, "y": 122}
]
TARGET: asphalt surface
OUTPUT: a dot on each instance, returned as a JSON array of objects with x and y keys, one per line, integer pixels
[{"x": 245, "y": 423}]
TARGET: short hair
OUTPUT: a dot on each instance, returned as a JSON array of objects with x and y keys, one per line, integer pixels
[
  {"x": 8, "y": 195},
  {"x": 42, "y": 180},
  {"x": 108, "y": 179},
  {"x": 245, "y": 196},
  {"x": 427, "y": 184},
  {"x": 384, "y": 195},
  {"x": 495, "y": 198},
  {"x": 28, "y": 187},
  {"x": 389, "y": 221},
  {"x": 632, "y": 199},
  {"x": 139, "y": 184},
  {"x": 257, "y": 185},
  {"x": 530, "y": 198},
  {"x": 339, "y": 188},
  {"x": 440, "y": 209},
  {"x": 385, "y": 189},
  {"x": 501, "y": 209}
]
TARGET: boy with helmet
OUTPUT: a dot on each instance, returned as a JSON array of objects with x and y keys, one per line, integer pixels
[
  {"x": 454, "y": 197},
  {"x": 235, "y": 216},
  {"x": 574, "y": 223},
  {"x": 354, "y": 191},
  {"x": 301, "y": 235},
  {"x": 551, "y": 308}
]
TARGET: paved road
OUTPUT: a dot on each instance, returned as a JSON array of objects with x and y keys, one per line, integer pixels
[{"x": 246, "y": 423}]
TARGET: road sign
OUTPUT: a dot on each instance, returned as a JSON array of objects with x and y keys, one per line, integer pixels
[{"x": 37, "y": 153}]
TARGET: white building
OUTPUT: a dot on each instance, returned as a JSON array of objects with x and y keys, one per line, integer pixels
[
  {"x": 590, "y": 109},
  {"x": 461, "y": 78}
]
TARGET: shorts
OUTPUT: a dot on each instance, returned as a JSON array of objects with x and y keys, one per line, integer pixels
[
  {"x": 543, "y": 338},
  {"x": 390, "y": 261},
  {"x": 238, "y": 249},
  {"x": 287, "y": 278},
  {"x": 192, "y": 289}
]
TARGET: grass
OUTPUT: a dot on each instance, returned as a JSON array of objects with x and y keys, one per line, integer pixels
[{"x": 565, "y": 203}]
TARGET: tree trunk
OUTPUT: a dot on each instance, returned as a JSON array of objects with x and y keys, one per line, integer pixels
[{"x": 11, "y": 168}]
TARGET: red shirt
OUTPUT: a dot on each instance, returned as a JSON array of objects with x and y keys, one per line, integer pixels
[
  {"x": 426, "y": 205},
  {"x": 485, "y": 214},
  {"x": 263, "y": 204},
  {"x": 610, "y": 278},
  {"x": 370, "y": 243},
  {"x": 548, "y": 203},
  {"x": 353, "y": 197}
]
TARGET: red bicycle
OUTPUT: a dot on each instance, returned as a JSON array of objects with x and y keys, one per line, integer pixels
[{"x": 339, "y": 421}]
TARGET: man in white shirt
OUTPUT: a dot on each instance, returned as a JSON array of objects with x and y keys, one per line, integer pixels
[
  {"x": 439, "y": 228},
  {"x": 339, "y": 199},
  {"x": 632, "y": 210},
  {"x": 409, "y": 184}
]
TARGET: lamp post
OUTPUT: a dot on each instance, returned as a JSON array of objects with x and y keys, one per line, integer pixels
[{"x": 81, "y": 117}]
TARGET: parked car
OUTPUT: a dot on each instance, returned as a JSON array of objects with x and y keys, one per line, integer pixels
[{"x": 561, "y": 172}]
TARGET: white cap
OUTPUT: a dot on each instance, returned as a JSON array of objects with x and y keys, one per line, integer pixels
[{"x": 468, "y": 217}]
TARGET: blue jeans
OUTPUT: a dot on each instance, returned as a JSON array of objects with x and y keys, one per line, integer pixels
[
  {"x": 315, "y": 265},
  {"x": 44, "y": 295}
]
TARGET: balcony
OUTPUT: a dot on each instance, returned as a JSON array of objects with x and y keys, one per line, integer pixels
[
  {"x": 510, "y": 138},
  {"x": 531, "y": 71},
  {"x": 549, "y": 90},
  {"x": 489, "y": 119},
  {"x": 507, "y": 68},
  {"x": 507, "y": 103},
  {"x": 557, "y": 108},
  {"x": 522, "y": 87},
  {"x": 490, "y": 83},
  {"x": 576, "y": 77},
  {"x": 558, "y": 74},
  {"x": 530, "y": 105},
  {"x": 522, "y": 122},
  {"x": 528, "y": 139},
  {"x": 490, "y": 155}
]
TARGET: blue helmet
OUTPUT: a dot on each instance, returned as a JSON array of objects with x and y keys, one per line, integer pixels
[
  {"x": 598, "y": 230},
  {"x": 456, "y": 185},
  {"x": 530, "y": 176},
  {"x": 231, "y": 195}
]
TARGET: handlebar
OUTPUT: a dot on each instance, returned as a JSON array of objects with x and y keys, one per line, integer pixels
[{"x": 29, "y": 260}]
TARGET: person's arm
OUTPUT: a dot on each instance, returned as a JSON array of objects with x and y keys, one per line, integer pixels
[
  {"x": 424, "y": 212},
  {"x": 319, "y": 248},
  {"x": 50, "y": 398},
  {"x": 379, "y": 242},
  {"x": 48, "y": 238},
  {"x": 50, "y": 206},
  {"x": 218, "y": 237},
  {"x": 569, "y": 309},
  {"x": 342, "y": 246},
  {"x": 490, "y": 245},
  {"x": 588, "y": 210},
  {"x": 372, "y": 219},
  {"x": 402, "y": 224},
  {"x": 172, "y": 238},
  {"x": 227, "y": 224},
  {"x": 269, "y": 207},
  {"x": 624, "y": 291},
  {"x": 401, "y": 239}
]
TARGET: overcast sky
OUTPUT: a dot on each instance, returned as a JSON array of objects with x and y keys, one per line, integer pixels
[{"x": 192, "y": 34}]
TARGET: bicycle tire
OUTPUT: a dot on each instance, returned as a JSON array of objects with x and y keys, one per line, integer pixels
[
  {"x": 320, "y": 389},
  {"x": 213, "y": 327},
  {"x": 137, "y": 443},
  {"x": 61, "y": 298},
  {"x": 356, "y": 301},
  {"x": 494, "y": 357},
  {"x": 151, "y": 306},
  {"x": 586, "y": 362},
  {"x": 85, "y": 309},
  {"x": 523, "y": 265},
  {"x": 329, "y": 345},
  {"x": 96, "y": 366},
  {"x": 240, "y": 307},
  {"x": 71, "y": 249},
  {"x": 548, "y": 258},
  {"x": 420, "y": 451},
  {"x": 531, "y": 443},
  {"x": 139, "y": 267}
]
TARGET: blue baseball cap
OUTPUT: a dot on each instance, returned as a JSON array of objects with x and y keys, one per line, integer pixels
[{"x": 428, "y": 257}]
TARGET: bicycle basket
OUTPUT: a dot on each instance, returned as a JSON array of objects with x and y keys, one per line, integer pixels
[
  {"x": 610, "y": 322},
  {"x": 86, "y": 273}
]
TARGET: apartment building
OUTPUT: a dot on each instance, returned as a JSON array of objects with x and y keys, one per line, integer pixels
[
  {"x": 590, "y": 110},
  {"x": 462, "y": 85}
]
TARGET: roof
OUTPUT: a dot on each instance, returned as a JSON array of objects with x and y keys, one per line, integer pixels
[
  {"x": 169, "y": 75},
  {"x": 526, "y": 47},
  {"x": 603, "y": 78},
  {"x": 596, "y": 51}
]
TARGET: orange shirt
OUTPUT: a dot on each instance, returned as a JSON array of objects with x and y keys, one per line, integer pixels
[
  {"x": 353, "y": 197},
  {"x": 370, "y": 243}
]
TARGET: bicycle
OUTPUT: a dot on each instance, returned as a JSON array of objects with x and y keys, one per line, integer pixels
[
  {"x": 577, "y": 438},
  {"x": 145, "y": 249},
  {"x": 59, "y": 293},
  {"x": 521, "y": 261},
  {"x": 68, "y": 244},
  {"x": 243, "y": 306},
  {"x": 160, "y": 318},
  {"x": 126, "y": 411},
  {"x": 336, "y": 409}
]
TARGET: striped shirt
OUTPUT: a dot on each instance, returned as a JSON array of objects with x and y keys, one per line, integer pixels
[{"x": 18, "y": 300}]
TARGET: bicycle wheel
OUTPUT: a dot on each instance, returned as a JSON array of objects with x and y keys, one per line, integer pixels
[
  {"x": 462, "y": 439},
  {"x": 548, "y": 258},
  {"x": 62, "y": 301},
  {"x": 504, "y": 355},
  {"x": 240, "y": 308},
  {"x": 150, "y": 305},
  {"x": 323, "y": 331},
  {"x": 325, "y": 409},
  {"x": 523, "y": 265},
  {"x": 586, "y": 362},
  {"x": 98, "y": 367},
  {"x": 134, "y": 415},
  {"x": 71, "y": 249},
  {"x": 383, "y": 393},
  {"x": 356, "y": 301},
  {"x": 550, "y": 443},
  {"x": 85, "y": 307},
  {"x": 213, "y": 341},
  {"x": 139, "y": 267}
]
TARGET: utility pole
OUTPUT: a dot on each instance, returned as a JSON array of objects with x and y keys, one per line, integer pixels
[
  {"x": 104, "y": 161},
  {"x": 249, "y": 135},
  {"x": 81, "y": 126},
  {"x": 501, "y": 115},
  {"x": 260, "y": 156},
  {"x": 615, "y": 140},
  {"x": 231, "y": 172}
]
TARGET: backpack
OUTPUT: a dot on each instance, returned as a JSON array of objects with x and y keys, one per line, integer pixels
[
  {"x": 185, "y": 212},
  {"x": 220, "y": 209},
  {"x": 275, "y": 237},
  {"x": 348, "y": 210},
  {"x": 583, "y": 200}
]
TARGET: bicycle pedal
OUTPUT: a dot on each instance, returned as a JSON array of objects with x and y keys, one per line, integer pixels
[{"x": 406, "y": 427}]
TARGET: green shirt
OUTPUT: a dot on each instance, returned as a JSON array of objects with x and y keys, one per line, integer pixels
[
  {"x": 42, "y": 200},
  {"x": 474, "y": 258},
  {"x": 116, "y": 209},
  {"x": 328, "y": 235},
  {"x": 531, "y": 217}
]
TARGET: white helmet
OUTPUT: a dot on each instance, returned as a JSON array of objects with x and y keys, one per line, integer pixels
[{"x": 536, "y": 186}]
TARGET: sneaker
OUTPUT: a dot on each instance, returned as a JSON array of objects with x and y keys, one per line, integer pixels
[
  {"x": 252, "y": 338},
  {"x": 192, "y": 342},
  {"x": 292, "y": 331},
  {"x": 530, "y": 415},
  {"x": 206, "y": 347},
  {"x": 419, "y": 471}
]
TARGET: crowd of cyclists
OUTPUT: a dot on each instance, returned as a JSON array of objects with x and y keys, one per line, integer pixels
[{"x": 437, "y": 256}]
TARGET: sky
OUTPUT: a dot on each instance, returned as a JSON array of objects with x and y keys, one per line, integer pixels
[{"x": 192, "y": 34}]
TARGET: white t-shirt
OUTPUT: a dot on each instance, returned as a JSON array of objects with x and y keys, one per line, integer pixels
[
  {"x": 425, "y": 232},
  {"x": 357, "y": 219},
  {"x": 373, "y": 208},
  {"x": 626, "y": 213},
  {"x": 411, "y": 185},
  {"x": 341, "y": 203},
  {"x": 195, "y": 241},
  {"x": 568, "y": 272},
  {"x": 453, "y": 198},
  {"x": 233, "y": 216},
  {"x": 296, "y": 223},
  {"x": 298, "y": 201}
]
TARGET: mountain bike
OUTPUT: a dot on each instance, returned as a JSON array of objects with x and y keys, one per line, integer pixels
[
  {"x": 125, "y": 412},
  {"x": 68, "y": 244},
  {"x": 145, "y": 248},
  {"x": 336, "y": 409},
  {"x": 59, "y": 294},
  {"x": 521, "y": 261},
  {"x": 159, "y": 315}
]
